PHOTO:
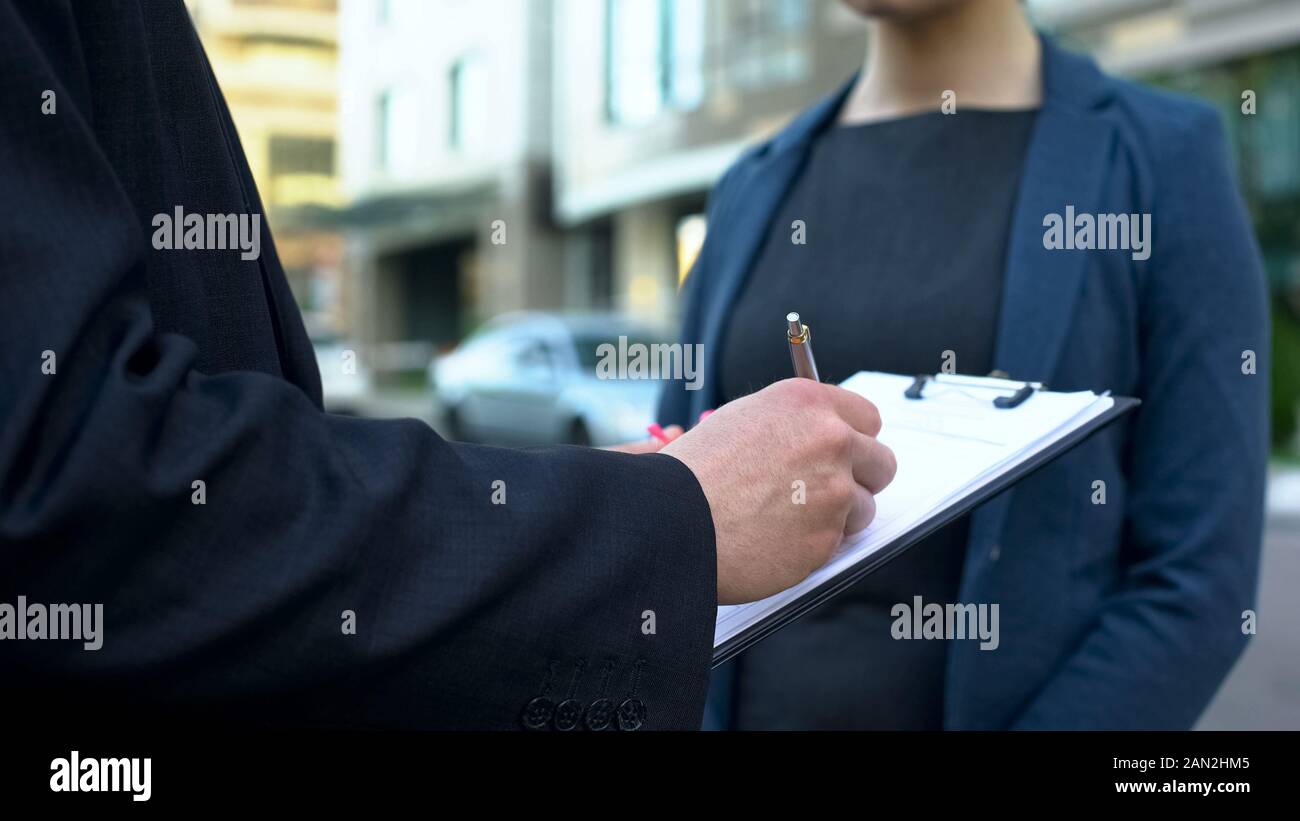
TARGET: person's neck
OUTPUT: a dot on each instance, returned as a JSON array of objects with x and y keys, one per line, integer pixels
[{"x": 983, "y": 51}]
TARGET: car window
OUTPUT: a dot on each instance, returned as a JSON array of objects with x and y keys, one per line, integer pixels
[
  {"x": 534, "y": 353},
  {"x": 589, "y": 350}
]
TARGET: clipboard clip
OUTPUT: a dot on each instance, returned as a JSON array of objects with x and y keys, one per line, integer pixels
[{"x": 1022, "y": 390}]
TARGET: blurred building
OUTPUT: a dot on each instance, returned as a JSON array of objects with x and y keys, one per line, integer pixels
[
  {"x": 653, "y": 100},
  {"x": 503, "y": 154},
  {"x": 590, "y": 130},
  {"x": 446, "y": 125},
  {"x": 277, "y": 63}
]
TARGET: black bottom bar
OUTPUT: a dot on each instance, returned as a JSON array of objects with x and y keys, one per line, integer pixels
[{"x": 875, "y": 770}]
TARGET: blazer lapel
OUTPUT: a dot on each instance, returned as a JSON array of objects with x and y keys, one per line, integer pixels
[
  {"x": 1063, "y": 170},
  {"x": 1065, "y": 167},
  {"x": 752, "y": 204}
]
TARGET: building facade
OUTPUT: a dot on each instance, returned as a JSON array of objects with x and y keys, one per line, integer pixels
[
  {"x": 654, "y": 99},
  {"x": 277, "y": 63},
  {"x": 445, "y": 162},
  {"x": 505, "y": 154}
]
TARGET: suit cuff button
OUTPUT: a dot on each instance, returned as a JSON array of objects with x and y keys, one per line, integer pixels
[
  {"x": 631, "y": 714},
  {"x": 568, "y": 714},
  {"x": 537, "y": 713},
  {"x": 600, "y": 714}
]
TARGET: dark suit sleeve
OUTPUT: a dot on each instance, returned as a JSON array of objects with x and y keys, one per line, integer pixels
[
  {"x": 1167, "y": 637},
  {"x": 464, "y": 609}
]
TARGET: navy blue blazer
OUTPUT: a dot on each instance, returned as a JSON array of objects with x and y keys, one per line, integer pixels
[
  {"x": 1126, "y": 614},
  {"x": 171, "y": 367}
]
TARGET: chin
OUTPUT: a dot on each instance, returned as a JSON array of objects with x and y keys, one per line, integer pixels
[{"x": 900, "y": 9}]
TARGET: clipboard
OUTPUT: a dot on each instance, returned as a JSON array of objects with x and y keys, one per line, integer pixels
[{"x": 825, "y": 590}]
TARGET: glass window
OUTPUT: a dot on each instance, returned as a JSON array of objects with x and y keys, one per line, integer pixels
[
  {"x": 686, "y": 30},
  {"x": 1276, "y": 127},
  {"x": 383, "y": 112},
  {"x": 633, "y": 40},
  {"x": 301, "y": 155},
  {"x": 468, "y": 103},
  {"x": 588, "y": 347},
  {"x": 771, "y": 42},
  {"x": 655, "y": 54}
]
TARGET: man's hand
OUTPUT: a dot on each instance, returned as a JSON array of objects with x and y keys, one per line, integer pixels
[{"x": 748, "y": 456}]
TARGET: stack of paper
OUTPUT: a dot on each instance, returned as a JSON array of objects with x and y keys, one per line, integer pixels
[{"x": 950, "y": 444}]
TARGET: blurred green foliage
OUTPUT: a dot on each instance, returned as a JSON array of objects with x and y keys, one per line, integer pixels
[{"x": 1285, "y": 375}]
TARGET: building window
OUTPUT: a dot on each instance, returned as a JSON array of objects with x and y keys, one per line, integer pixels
[
  {"x": 772, "y": 44},
  {"x": 1275, "y": 147},
  {"x": 467, "y": 103},
  {"x": 658, "y": 54},
  {"x": 383, "y": 128},
  {"x": 685, "y": 49},
  {"x": 634, "y": 33},
  {"x": 654, "y": 57},
  {"x": 301, "y": 155}
]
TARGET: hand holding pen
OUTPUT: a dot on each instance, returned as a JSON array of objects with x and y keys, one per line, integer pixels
[{"x": 794, "y": 440}]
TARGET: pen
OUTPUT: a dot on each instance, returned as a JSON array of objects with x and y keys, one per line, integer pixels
[{"x": 800, "y": 338}]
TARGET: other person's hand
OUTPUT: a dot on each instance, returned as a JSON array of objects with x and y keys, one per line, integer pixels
[{"x": 650, "y": 444}]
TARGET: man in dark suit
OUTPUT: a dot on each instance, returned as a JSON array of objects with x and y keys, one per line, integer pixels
[{"x": 163, "y": 453}]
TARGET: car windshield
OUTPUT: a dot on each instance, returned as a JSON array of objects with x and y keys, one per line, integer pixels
[{"x": 589, "y": 350}]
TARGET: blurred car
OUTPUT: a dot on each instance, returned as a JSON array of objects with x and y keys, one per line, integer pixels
[
  {"x": 345, "y": 381},
  {"x": 531, "y": 378}
]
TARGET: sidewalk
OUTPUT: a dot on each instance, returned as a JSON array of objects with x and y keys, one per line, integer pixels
[
  {"x": 1284, "y": 495},
  {"x": 1263, "y": 690}
]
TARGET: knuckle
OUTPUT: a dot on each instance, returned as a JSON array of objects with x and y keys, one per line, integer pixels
[
  {"x": 840, "y": 490},
  {"x": 872, "y": 417},
  {"x": 891, "y": 462},
  {"x": 804, "y": 391},
  {"x": 842, "y": 437},
  {"x": 835, "y": 431},
  {"x": 869, "y": 507}
]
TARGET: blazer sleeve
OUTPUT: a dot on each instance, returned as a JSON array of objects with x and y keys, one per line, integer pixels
[
  {"x": 1168, "y": 636},
  {"x": 594, "y": 582}
]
